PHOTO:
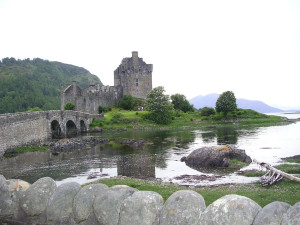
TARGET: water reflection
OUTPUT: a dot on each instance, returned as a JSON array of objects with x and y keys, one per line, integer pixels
[{"x": 159, "y": 157}]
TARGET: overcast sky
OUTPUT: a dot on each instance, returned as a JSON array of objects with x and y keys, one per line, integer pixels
[{"x": 196, "y": 47}]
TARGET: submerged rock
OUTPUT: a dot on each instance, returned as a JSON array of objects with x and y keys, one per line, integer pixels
[{"x": 215, "y": 157}]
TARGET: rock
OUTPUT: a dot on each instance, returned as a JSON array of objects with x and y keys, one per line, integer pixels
[
  {"x": 182, "y": 208},
  {"x": 35, "y": 199},
  {"x": 60, "y": 205},
  {"x": 271, "y": 214},
  {"x": 95, "y": 130},
  {"x": 83, "y": 201},
  {"x": 8, "y": 199},
  {"x": 215, "y": 156},
  {"x": 142, "y": 207},
  {"x": 18, "y": 185},
  {"x": 292, "y": 216},
  {"x": 230, "y": 209},
  {"x": 107, "y": 204}
]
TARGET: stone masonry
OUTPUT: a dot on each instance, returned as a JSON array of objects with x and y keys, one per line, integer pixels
[
  {"x": 25, "y": 128},
  {"x": 132, "y": 77}
]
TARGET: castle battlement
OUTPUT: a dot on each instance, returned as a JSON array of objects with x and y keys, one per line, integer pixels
[{"x": 133, "y": 77}]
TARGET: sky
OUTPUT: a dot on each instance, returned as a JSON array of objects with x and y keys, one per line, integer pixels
[{"x": 196, "y": 47}]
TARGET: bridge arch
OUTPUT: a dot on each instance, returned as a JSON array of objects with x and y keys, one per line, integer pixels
[
  {"x": 83, "y": 128},
  {"x": 55, "y": 129},
  {"x": 71, "y": 129}
]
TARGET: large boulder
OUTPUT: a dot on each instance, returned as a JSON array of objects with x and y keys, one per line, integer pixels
[
  {"x": 230, "y": 209},
  {"x": 182, "y": 208},
  {"x": 83, "y": 201},
  {"x": 271, "y": 214},
  {"x": 215, "y": 157},
  {"x": 142, "y": 207},
  {"x": 59, "y": 210},
  {"x": 292, "y": 216},
  {"x": 107, "y": 204},
  {"x": 35, "y": 199}
]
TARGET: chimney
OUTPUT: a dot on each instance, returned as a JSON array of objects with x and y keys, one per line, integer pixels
[{"x": 135, "y": 59}]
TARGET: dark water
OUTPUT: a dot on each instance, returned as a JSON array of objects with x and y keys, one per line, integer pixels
[{"x": 159, "y": 157}]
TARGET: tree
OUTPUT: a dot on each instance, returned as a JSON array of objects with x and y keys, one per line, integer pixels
[
  {"x": 69, "y": 106},
  {"x": 181, "y": 103},
  {"x": 127, "y": 102},
  {"x": 159, "y": 106},
  {"x": 226, "y": 102}
]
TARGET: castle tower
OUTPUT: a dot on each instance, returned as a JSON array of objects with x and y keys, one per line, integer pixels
[{"x": 134, "y": 76}]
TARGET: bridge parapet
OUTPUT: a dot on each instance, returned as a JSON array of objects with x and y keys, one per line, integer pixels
[{"x": 24, "y": 128}]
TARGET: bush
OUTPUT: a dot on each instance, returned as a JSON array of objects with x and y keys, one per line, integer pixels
[
  {"x": 207, "y": 111},
  {"x": 127, "y": 102},
  {"x": 34, "y": 109},
  {"x": 117, "y": 118},
  {"x": 181, "y": 103},
  {"x": 102, "y": 109},
  {"x": 69, "y": 106}
]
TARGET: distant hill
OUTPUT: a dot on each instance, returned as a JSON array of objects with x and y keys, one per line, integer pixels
[
  {"x": 210, "y": 101},
  {"x": 29, "y": 83}
]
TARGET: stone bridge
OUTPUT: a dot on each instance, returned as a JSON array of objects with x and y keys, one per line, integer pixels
[{"x": 24, "y": 128}]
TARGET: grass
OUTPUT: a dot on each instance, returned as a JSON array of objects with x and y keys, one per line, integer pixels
[
  {"x": 119, "y": 118},
  {"x": 34, "y": 148},
  {"x": 291, "y": 160},
  {"x": 253, "y": 173},
  {"x": 236, "y": 164},
  {"x": 289, "y": 168},
  {"x": 285, "y": 191}
]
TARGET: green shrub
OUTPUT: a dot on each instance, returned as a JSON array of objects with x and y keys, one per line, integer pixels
[
  {"x": 117, "y": 118},
  {"x": 34, "y": 109},
  {"x": 102, "y": 109},
  {"x": 127, "y": 102},
  {"x": 69, "y": 106},
  {"x": 207, "y": 111}
]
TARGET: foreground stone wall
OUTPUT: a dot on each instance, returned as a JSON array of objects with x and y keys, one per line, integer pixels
[{"x": 45, "y": 203}]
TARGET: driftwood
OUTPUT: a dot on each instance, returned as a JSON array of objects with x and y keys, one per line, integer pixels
[{"x": 274, "y": 175}]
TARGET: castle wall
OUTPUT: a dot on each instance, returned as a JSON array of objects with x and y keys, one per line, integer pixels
[{"x": 132, "y": 77}]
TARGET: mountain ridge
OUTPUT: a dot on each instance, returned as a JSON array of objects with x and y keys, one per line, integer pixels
[
  {"x": 30, "y": 83},
  {"x": 210, "y": 101}
]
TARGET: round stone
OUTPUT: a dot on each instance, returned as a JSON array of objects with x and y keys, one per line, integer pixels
[
  {"x": 230, "y": 209},
  {"x": 182, "y": 208}
]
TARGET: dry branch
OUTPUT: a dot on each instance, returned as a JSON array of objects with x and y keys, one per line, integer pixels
[{"x": 273, "y": 175}]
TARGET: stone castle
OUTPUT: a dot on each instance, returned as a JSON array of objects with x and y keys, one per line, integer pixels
[{"x": 132, "y": 77}]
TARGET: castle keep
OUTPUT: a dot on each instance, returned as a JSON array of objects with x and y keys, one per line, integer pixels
[{"x": 132, "y": 77}]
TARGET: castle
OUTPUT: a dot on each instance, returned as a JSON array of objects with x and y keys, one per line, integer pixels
[{"x": 132, "y": 77}]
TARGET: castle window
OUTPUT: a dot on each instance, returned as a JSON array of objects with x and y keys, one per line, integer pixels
[{"x": 136, "y": 82}]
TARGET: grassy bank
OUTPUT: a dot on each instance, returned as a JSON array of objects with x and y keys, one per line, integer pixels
[
  {"x": 285, "y": 191},
  {"x": 118, "y": 118},
  {"x": 34, "y": 148}
]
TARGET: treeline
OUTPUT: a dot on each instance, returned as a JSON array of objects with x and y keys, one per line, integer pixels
[{"x": 25, "y": 84}]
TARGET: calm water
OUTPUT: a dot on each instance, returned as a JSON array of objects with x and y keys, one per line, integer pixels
[{"x": 160, "y": 157}]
